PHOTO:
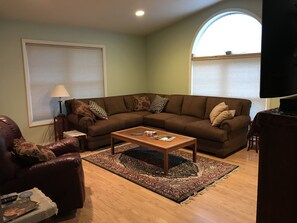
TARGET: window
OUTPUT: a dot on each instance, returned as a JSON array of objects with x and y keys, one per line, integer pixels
[
  {"x": 226, "y": 59},
  {"x": 79, "y": 67}
]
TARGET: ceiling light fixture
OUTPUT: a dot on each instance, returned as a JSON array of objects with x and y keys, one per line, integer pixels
[{"x": 139, "y": 13}]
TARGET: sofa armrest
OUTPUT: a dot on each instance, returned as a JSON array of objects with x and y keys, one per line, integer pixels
[
  {"x": 238, "y": 122},
  {"x": 67, "y": 145},
  {"x": 85, "y": 122},
  {"x": 80, "y": 122}
]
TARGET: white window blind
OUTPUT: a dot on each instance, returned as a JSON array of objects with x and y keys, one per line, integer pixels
[
  {"x": 237, "y": 78},
  {"x": 80, "y": 68}
]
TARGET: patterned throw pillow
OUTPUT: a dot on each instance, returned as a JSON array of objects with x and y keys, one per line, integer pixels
[
  {"x": 158, "y": 104},
  {"x": 98, "y": 110},
  {"x": 81, "y": 108},
  {"x": 141, "y": 103},
  {"x": 32, "y": 153}
]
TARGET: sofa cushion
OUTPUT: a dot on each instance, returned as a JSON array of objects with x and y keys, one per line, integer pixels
[
  {"x": 224, "y": 115},
  {"x": 158, "y": 104},
  {"x": 142, "y": 113},
  {"x": 130, "y": 119},
  {"x": 141, "y": 103},
  {"x": 178, "y": 124},
  {"x": 157, "y": 120},
  {"x": 203, "y": 129},
  {"x": 174, "y": 104},
  {"x": 81, "y": 108},
  {"x": 194, "y": 106},
  {"x": 129, "y": 103},
  {"x": 115, "y": 105},
  {"x": 218, "y": 109},
  {"x": 233, "y": 104},
  {"x": 97, "y": 110},
  {"x": 103, "y": 127}
]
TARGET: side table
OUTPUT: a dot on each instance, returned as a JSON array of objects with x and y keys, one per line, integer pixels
[
  {"x": 60, "y": 125},
  {"x": 253, "y": 138},
  {"x": 46, "y": 209},
  {"x": 82, "y": 137}
]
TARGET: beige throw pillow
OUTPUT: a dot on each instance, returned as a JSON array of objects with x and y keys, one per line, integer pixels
[
  {"x": 218, "y": 109},
  {"x": 228, "y": 114}
]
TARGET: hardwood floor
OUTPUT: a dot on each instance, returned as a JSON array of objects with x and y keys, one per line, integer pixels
[{"x": 110, "y": 198}]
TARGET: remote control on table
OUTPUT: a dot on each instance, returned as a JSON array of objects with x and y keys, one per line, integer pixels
[{"x": 8, "y": 197}]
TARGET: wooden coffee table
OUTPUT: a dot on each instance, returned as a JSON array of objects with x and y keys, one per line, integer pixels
[{"x": 133, "y": 135}]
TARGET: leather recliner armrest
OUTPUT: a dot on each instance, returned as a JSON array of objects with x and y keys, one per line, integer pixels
[
  {"x": 64, "y": 174},
  {"x": 67, "y": 145},
  {"x": 69, "y": 161},
  {"x": 64, "y": 166},
  {"x": 238, "y": 122}
]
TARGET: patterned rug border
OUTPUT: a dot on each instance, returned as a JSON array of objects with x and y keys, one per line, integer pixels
[{"x": 188, "y": 197}]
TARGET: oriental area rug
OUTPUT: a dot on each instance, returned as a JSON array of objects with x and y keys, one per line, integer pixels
[{"x": 145, "y": 168}]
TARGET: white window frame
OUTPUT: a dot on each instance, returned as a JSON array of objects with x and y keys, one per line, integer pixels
[
  {"x": 200, "y": 33},
  {"x": 27, "y": 74}
]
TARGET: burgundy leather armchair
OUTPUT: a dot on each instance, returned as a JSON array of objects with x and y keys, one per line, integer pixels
[{"x": 61, "y": 178}]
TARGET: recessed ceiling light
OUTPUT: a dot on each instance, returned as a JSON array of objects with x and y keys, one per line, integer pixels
[{"x": 139, "y": 13}]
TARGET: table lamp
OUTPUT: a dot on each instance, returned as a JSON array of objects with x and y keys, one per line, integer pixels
[{"x": 60, "y": 92}]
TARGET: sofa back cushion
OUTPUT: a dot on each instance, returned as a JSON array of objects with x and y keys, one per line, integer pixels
[
  {"x": 115, "y": 105},
  {"x": 194, "y": 106},
  {"x": 233, "y": 104},
  {"x": 174, "y": 104},
  {"x": 99, "y": 101},
  {"x": 128, "y": 99},
  {"x": 68, "y": 103}
]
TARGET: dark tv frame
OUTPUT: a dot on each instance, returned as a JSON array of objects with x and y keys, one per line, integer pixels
[{"x": 279, "y": 48}]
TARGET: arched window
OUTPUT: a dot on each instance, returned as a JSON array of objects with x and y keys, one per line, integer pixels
[{"x": 226, "y": 59}]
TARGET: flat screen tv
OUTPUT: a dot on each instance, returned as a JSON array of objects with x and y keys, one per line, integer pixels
[{"x": 279, "y": 49}]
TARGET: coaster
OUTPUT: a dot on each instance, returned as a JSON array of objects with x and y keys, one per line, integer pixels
[{"x": 25, "y": 194}]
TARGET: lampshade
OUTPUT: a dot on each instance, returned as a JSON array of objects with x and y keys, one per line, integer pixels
[{"x": 59, "y": 92}]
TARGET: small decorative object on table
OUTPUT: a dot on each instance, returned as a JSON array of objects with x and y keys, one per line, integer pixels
[
  {"x": 165, "y": 138},
  {"x": 18, "y": 208},
  {"x": 150, "y": 133}
]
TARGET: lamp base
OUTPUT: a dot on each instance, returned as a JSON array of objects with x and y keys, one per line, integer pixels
[{"x": 60, "y": 104}]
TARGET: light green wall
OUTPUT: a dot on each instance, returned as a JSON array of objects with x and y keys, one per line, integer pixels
[
  {"x": 125, "y": 66},
  {"x": 159, "y": 63},
  {"x": 169, "y": 50}
]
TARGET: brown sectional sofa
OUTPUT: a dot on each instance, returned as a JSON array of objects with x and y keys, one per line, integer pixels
[{"x": 184, "y": 114}]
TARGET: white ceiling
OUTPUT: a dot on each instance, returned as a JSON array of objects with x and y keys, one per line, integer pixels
[{"x": 111, "y": 15}]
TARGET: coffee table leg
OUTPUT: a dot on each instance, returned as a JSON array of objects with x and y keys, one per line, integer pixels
[
  {"x": 195, "y": 152},
  {"x": 112, "y": 145},
  {"x": 165, "y": 163}
]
